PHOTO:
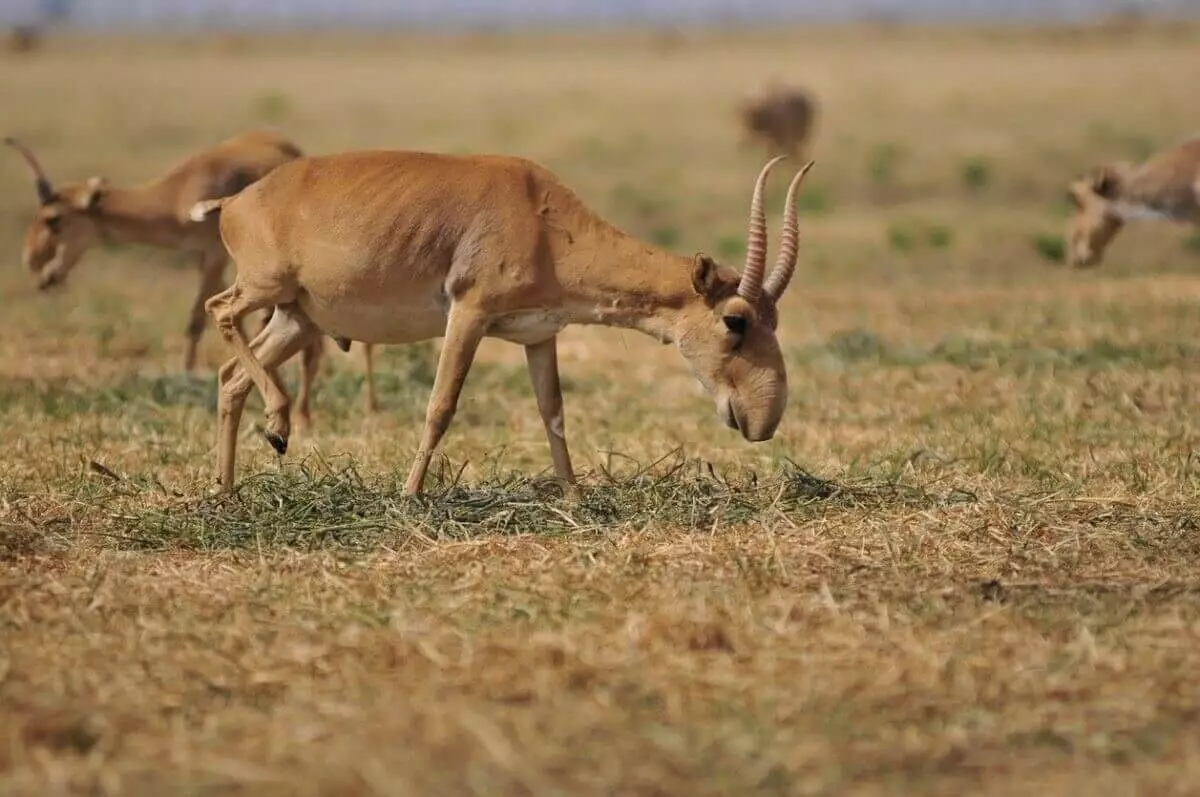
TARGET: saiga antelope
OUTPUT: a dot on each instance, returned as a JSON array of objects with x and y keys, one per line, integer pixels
[
  {"x": 781, "y": 118},
  {"x": 398, "y": 247},
  {"x": 24, "y": 39},
  {"x": 1164, "y": 188},
  {"x": 71, "y": 217}
]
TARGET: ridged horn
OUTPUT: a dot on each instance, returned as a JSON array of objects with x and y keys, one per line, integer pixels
[
  {"x": 789, "y": 240},
  {"x": 750, "y": 287}
]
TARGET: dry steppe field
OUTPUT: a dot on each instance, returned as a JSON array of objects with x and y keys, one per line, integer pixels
[{"x": 967, "y": 563}]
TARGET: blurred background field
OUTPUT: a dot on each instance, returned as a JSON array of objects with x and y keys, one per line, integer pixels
[{"x": 966, "y": 563}]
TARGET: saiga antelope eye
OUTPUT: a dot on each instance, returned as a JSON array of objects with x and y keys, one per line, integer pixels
[{"x": 735, "y": 324}]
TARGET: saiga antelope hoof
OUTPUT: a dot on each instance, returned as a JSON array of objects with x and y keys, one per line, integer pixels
[{"x": 277, "y": 441}]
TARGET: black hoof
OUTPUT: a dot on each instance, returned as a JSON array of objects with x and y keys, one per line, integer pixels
[
  {"x": 343, "y": 343},
  {"x": 278, "y": 442}
]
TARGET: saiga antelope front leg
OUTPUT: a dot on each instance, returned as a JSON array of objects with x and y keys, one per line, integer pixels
[
  {"x": 465, "y": 328},
  {"x": 542, "y": 359}
]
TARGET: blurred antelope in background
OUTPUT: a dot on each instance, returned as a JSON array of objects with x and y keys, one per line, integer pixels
[
  {"x": 1166, "y": 187},
  {"x": 72, "y": 217},
  {"x": 24, "y": 39},
  {"x": 780, "y": 118},
  {"x": 398, "y": 247}
]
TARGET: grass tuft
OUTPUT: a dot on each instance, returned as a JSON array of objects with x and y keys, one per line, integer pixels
[
  {"x": 907, "y": 235},
  {"x": 272, "y": 107},
  {"x": 975, "y": 173},
  {"x": 729, "y": 247},
  {"x": 884, "y": 163},
  {"x": 1052, "y": 248},
  {"x": 902, "y": 237},
  {"x": 815, "y": 199}
]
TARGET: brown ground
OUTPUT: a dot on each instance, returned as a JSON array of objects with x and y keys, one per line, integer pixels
[{"x": 966, "y": 564}]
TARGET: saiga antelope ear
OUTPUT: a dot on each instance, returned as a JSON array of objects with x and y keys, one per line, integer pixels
[
  {"x": 89, "y": 198},
  {"x": 704, "y": 275},
  {"x": 1105, "y": 180}
]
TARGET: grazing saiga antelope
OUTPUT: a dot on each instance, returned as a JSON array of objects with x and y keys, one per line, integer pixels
[
  {"x": 1166, "y": 187},
  {"x": 781, "y": 118},
  {"x": 71, "y": 217},
  {"x": 398, "y": 247},
  {"x": 24, "y": 39}
]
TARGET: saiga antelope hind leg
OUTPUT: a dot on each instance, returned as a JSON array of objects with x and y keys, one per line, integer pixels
[
  {"x": 231, "y": 401},
  {"x": 286, "y": 334},
  {"x": 227, "y": 308},
  {"x": 310, "y": 366}
]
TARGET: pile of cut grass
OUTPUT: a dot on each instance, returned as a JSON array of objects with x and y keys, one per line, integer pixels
[{"x": 313, "y": 506}]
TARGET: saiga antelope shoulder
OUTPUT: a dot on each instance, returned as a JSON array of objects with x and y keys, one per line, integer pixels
[
  {"x": 72, "y": 217},
  {"x": 1166, "y": 187},
  {"x": 398, "y": 247}
]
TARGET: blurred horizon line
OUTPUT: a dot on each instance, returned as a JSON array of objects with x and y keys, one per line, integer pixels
[{"x": 516, "y": 14}]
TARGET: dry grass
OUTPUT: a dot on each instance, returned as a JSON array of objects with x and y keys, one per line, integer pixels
[{"x": 965, "y": 565}]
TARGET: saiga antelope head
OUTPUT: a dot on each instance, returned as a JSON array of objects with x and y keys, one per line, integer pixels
[
  {"x": 1096, "y": 221},
  {"x": 727, "y": 331},
  {"x": 63, "y": 227}
]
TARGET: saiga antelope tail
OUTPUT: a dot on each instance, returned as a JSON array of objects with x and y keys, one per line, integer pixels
[{"x": 202, "y": 210}]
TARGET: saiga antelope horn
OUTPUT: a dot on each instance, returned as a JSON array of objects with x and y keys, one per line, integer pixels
[
  {"x": 789, "y": 239},
  {"x": 44, "y": 190},
  {"x": 750, "y": 287}
]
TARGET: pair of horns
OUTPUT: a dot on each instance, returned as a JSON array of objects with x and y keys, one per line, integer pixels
[
  {"x": 752, "y": 285},
  {"x": 45, "y": 191}
]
